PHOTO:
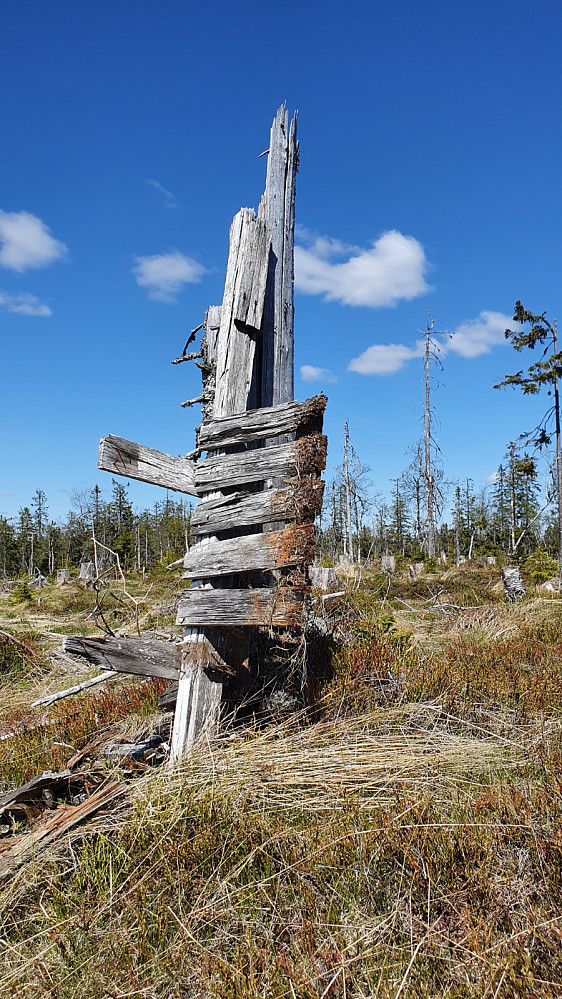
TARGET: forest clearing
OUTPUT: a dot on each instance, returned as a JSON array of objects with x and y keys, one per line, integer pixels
[
  {"x": 254, "y": 746},
  {"x": 400, "y": 836}
]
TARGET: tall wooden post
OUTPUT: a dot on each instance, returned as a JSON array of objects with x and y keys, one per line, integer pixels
[
  {"x": 254, "y": 367},
  {"x": 278, "y": 209},
  {"x": 259, "y": 485}
]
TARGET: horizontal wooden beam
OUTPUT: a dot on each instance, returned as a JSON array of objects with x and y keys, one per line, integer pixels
[
  {"x": 291, "y": 546},
  {"x": 275, "y": 606},
  {"x": 258, "y": 424},
  {"x": 135, "y": 461},
  {"x": 139, "y": 656},
  {"x": 306, "y": 456},
  {"x": 301, "y": 502}
]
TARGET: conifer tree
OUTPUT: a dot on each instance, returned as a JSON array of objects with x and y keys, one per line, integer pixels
[{"x": 541, "y": 334}]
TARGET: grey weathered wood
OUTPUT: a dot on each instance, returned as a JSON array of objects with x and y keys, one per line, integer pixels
[
  {"x": 323, "y": 578},
  {"x": 224, "y": 470},
  {"x": 209, "y": 362},
  {"x": 77, "y": 689},
  {"x": 198, "y": 702},
  {"x": 257, "y": 424},
  {"x": 233, "y": 384},
  {"x": 513, "y": 583},
  {"x": 139, "y": 656},
  {"x": 300, "y": 502},
  {"x": 278, "y": 209},
  {"x": 241, "y": 313},
  {"x": 291, "y": 546},
  {"x": 274, "y": 606},
  {"x": 242, "y": 509},
  {"x": 305, "y": 456},
  {"x": 135, "y": 461}
]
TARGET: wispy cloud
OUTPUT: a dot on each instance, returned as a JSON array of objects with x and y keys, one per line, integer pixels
[
  {"x": 385, "y": 358},
  {"x": 164, "y": 274},
  {"x": 477, "y": 336},
  {"x": 309, "y": 373},
  {"x": 23, "y": 303},
  {"x": 26, "y": 242},
  {"x": 170, "y": 200},
  {"x": 391, "y": 270},
  {"x": 6, "y": 492},
  {"x": 472, "y": 338}
]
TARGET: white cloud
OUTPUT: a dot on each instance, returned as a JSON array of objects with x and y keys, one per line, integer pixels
[
  {"x": 311, "y": 374},
  {"x": 26, "y": 242},
  {"x": 477, "y": 336},
  {"x": 164, "y": 274},
  {"x": 24, "y": 304},
  {"x": 6, "y": 492},
  {"x": 471, "y": 339},
  {"x": 392, "y": 270},
  {"x": 385, "y": 358},
  {"x": 170, "y": 199}
]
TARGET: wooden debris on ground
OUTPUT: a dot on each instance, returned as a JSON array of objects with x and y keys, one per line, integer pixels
[
  {"x": 39, "y": 798},
  {"x": 76, "y": 689}
]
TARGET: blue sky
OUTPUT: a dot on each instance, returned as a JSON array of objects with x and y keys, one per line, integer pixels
[{"x": 430, "y": 178}]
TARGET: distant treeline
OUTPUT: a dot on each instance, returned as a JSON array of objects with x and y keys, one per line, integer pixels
[
  {"x": 513, "y": 516},
  {"x": 32, "y": 542}
]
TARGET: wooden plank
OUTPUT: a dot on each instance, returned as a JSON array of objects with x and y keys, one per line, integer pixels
[
  {"x": 291, "y": 546},
  {"x": 242, "y": 509},
  {"x": 241, "y": 314},
  {"x": 257, "y": 424},
  {"x": 305, "y": 456},
  {"x": 278, "y": 209},
  {"x": 135, "y": 461},
  {"x": 300, "y": 502},
  {"x": 58, "y": 822},
  {"x": 275, "y": 606},
  {"x": 208, "y": 364},
  {"x": 205, "y": 653},
  {"x": 232, "y": 383},
  {"x": 139, "y": 656}
]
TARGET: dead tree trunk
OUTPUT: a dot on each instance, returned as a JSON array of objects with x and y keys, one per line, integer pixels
[{"x": 259, "y": 484}]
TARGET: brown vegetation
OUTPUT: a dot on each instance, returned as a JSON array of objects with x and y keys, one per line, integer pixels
[{"x": 403, "y": 841}]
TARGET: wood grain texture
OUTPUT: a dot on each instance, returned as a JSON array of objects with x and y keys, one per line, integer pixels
[
  {"x": 290, "y": 546},
  {"x": 257, "y": 424},
  {"x": 198, "y": 702},
  {"x": 135, "y": 461},
  {"x": 278, "y": 209},
  {"x": 301, "y": 502},
  {"x": 305, "y": 456},
  {"x": 139, "y": 656},
  {"x": 275, "y": 606},
  {"x": 241, "y": 314}
]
